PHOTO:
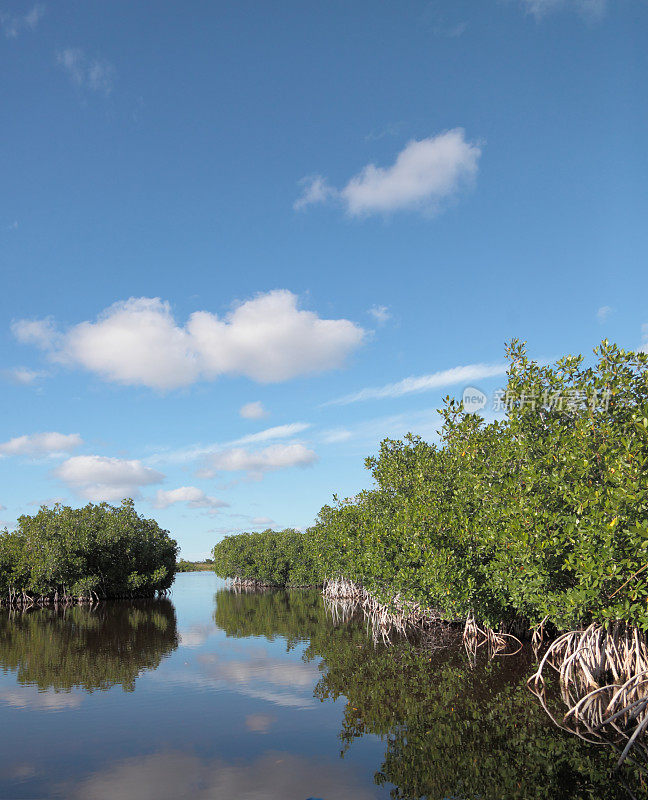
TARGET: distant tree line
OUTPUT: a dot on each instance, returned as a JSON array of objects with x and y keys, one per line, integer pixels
[
  {"x": 194, "y": 566},
  {"x": 270, "y": 558}
]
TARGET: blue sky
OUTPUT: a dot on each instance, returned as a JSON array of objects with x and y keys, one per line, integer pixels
[{"x": 219, "y": 220}]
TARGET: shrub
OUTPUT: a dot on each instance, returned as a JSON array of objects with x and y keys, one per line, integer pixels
[
  {"x": 273, "y": 558},
  {"x": 543, "y": 514},
  {"x": 98, "y": 551}
]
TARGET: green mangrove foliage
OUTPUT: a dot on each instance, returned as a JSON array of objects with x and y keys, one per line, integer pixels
[
  {"x": 87, "y": 647},
  {"x": 270, "y": 558},
  {"x": 541, "y": 515},
  {"x": 98, "y": 551}
]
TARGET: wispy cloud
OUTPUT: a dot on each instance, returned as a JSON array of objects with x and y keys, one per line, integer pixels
[
  {"x": 380, "y": 313},
  {"x": 315, "y": 189},
  {"x": 393, "y": 129},
  {"x": 424, "y": 174},
  {"x": 191, "y": 495},
  {"x": 603, "y": 313},
  {"x": 94, "y": 74},
  {"x": 368, "y": 433},
  {"x": 435, "y": 16},
  {"x": 254, "y": 410},
  {"x": 198, "y": 451},
  {"x": 36, "y": 445},
  {"x": 591, "y": 9},
  {"x": 451, "y": 31},
  {"x": 14, "y": 24},
  {"x": 424, "y": 383},
  {"x": 276, "y": 432},
  {"x": 262, "y": 521},
  {"x": 39, "y": 332},
  {"x": 47, "y": 501},
  {"x": 23, "y": 376}
]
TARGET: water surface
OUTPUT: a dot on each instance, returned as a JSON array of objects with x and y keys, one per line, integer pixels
[{"x": 213, "y": 694}]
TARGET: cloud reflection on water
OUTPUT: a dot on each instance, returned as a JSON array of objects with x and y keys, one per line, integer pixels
[
  {"x": 30, "y": 698},
  {"x": 174, "y": 775}
]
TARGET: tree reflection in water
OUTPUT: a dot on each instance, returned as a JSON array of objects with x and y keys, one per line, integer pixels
[
  {"x": 91, "y": 648},
  {"x": 449, "y": 730}
]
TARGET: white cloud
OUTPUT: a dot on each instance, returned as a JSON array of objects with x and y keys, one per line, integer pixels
[
  {"x": 253, "y": 410},
  {"x": 380, "y": 314},
  {"x": 262, "y": 521},
  {"x": 367, "y": 434},
  {"x": 95, "y": 74},
  {"x": 41, "y": 444},
  {"x": 424, "y": 383},
  {"x": 593, "y": 9},
  {"x": 276, "y": 432},
  {"x": 48, "y": 501},
  {"x": 23, "y": 376},
  {"x": 392, "y": 129},
  {"x": 425, "y": 173},
  {"x": 39, "y": 332},
  {"x": 101, "y": 478},
  {"x": 316, "y": 190},
  {"x": 256, "y": 463},
  {"x": 197, "y": 451},
  {"x": 138, "y": 342},
  {"x": 191, "y": 495},
  {"x": 336, "y": 435},
  {"x": 603, "y": 313},
  {"x": 14, "y": 24}
]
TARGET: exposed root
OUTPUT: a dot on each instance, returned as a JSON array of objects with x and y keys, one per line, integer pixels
[
  {"x": 538, "y": 635},
  {"x": 25, "y": 600},
  {"x": 497, "y": 643},
  {"x": 341, "y": 611},
  {"x": 399, "y": 617},
  {"x": 248, "y": 585},
  {"x": 603, "y": 679}
]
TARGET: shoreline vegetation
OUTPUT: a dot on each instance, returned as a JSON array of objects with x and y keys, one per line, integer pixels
[
  {"x": 99, "y": 552},
  {"x": 194, "y": 566},
  {"x": 529, "y": 530}
]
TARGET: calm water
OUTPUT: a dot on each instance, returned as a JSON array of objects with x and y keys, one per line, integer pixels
[{"x": 256, "y": 696}]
